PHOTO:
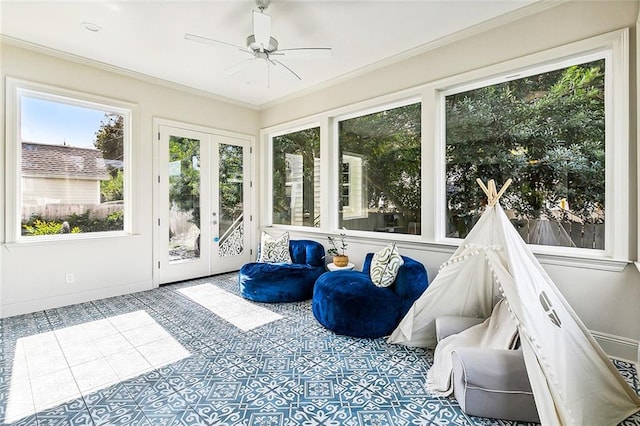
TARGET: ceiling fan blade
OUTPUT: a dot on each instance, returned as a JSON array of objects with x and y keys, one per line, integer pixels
[
  {"x": 261, "y": 28},
  {"x": 207, "y": 40},
  {"x": 239, "y": 66},
  {"x": 275, "y": 61},
  {"x": 307, "y": 53}
]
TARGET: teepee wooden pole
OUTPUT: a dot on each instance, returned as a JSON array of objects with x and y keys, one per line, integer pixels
[
  {"x": 493, "y": 195},
  {"x": 484, "y": 188},
  {"x": 504, "y": 187}
]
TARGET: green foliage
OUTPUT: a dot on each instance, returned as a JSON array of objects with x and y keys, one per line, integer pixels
[
  {"x": 36, "y": 225},
  {"x": 110, "y": 141},
  {"x": 184, "y": 182},
  {"x": 114, "y": 222},
  {"x": 305, "y": 144},
  {"x": 338, "y": 245},
  {"x": 113, "y": 189},
  {"x": 545, "y": 131},
  {"x": 230, "y": 179},
  {"x": 109, "y": 137},
  {"x": 390, "y": 143},
  {"x": 184, "y": 188},
  {"x": 41, "y": 227}
]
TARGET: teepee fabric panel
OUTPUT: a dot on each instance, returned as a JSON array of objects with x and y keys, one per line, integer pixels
[
  {"x": 573, "y": 380},
  {"x": 462, "y": 287}
]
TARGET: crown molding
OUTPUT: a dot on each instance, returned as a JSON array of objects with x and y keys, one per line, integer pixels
[
  {"x": 498, "y": 21},
  {"x": 34, "y": 47}
]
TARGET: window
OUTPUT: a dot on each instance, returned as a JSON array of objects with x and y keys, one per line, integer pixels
[
  {"x": 546, "y": 131},
  {"x": 296, "y": 178},
  {"x": 71, "y": 157},
  {"x": 346, "y": 185},
  {"x": 380, "y": 182},
  {"x": 556, "y": 122}
]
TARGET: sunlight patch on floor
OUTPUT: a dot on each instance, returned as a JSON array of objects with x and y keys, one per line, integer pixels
[
  {"x": 59, "y": 366},
  {"x": 233, "y": 309}
]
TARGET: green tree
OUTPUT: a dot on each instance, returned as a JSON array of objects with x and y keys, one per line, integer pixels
[
  {"x": 545, "y": 131},
  {"x": 306, "y": 144},
  {"x": 109, "y": 137},
  {"x": 184, "y": 187},
  {"x": 109, "y": 140},
  {"x": 112, "y": 189},
  {"x": 230, "y": 179},
  {"x": 390, "y": 141}
]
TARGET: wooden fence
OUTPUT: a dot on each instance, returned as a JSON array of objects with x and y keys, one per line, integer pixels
[
  {"x": 590, "y": 235},
  {"x": 62, "y": 211}
]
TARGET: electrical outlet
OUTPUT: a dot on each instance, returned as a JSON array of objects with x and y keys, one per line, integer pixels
[{"x": 69, "y": 277}]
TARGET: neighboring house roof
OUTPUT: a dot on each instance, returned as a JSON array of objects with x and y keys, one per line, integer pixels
[{"x": 43, "y": 160}]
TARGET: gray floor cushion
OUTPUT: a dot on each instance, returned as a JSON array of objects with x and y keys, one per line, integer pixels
[{"x": 493, "y": 383}]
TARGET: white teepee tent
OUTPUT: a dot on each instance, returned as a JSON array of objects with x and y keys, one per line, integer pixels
[{"x": 573, "y": 380}]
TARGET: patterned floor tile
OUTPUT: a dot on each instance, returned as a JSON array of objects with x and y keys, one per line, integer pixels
[
  {"x": 25, "y": 421},
  {"x": 290, "y": 372},
  {"x": 72, "y": 413},
  {"x": 116, "y": 406}
]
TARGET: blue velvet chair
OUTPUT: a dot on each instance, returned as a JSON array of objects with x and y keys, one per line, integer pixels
[
  {"x": 284, "y": 282},
  {"x": 348, "y": 303}
]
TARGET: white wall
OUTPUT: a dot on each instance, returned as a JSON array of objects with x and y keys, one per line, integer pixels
[
  {"x": 32, "y": 276},
  {"x": 608, "y": 302}
]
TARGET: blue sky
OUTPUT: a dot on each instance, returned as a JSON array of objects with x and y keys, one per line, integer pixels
[{"x": 57, "y": 123}]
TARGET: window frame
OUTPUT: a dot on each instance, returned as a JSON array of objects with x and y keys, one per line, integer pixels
[
  {"x": 621, "y": 232},
  {"x": 15, "y": 90},
  {"x": 267, "y": 176},
  {"x": 334, "y": 182},
  {"x": 613, "y": 48}
]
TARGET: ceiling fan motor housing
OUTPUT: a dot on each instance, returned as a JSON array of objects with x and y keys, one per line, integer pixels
[{"x": 255, "y": 47}]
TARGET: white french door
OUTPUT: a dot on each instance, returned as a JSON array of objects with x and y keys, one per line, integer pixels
[{"x": 202, "y": 211}]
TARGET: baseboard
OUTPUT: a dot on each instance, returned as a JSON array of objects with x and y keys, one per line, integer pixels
[
  {"x": 28, "y": 306},
  {"x": 618, "y": 347}
]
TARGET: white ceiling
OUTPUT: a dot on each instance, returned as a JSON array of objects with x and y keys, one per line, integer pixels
[{"x": 147, "y": 37}]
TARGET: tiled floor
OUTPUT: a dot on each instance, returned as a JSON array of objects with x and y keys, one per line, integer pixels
[{"x": 195, "y": 353}]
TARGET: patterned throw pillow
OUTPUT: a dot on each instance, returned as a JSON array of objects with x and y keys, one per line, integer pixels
[
  {"x": 385, "y": 265},
  {"x": 274, "y": 250}
]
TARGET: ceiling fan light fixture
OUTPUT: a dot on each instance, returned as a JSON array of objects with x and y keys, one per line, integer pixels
[
  {"x": 261, "y": 28},
  {"x": 260, "y": 45},
  {"x": 254, "y": 46}
]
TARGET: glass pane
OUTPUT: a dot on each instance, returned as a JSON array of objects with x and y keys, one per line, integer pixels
[
  {"x": 547, "y": 133},
  {"x": 72, "y": 168},
  {"x": 231, "y": 208},
  {"x": 380, "y": 171},
  {"x": 296, "y": 178},
  {"x": 184, "y": 199}
]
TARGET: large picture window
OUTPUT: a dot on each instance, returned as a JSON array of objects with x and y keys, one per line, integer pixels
[
  {"x": 72, "y": 165},
  {"x": 380, "y": 171},
  {"x": 296, "y": 178},
  {"x": 546, "y": 132}
]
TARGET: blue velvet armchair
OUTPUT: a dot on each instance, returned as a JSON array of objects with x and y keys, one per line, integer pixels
[
  {"x": 348, "y": 303},
  {"x": 284, "y": 282}
]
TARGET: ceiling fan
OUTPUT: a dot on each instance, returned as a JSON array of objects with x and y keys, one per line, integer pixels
[{"x": 262, "y": 46}]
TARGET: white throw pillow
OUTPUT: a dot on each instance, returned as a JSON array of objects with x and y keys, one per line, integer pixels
[
  {"x": 385, "y": 265},
  {"x": 274, "y": 250}
]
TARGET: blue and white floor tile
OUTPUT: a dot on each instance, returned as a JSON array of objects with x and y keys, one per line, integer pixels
[{"x": 174, "y": 356}]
